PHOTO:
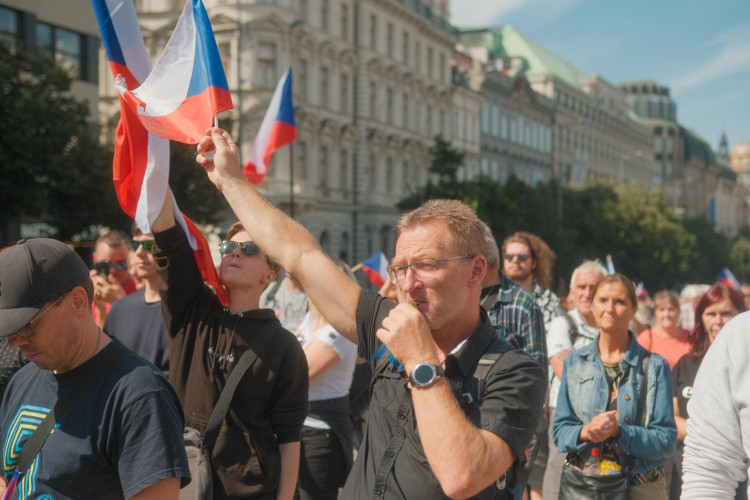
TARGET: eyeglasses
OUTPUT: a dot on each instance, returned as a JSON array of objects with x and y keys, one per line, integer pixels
[
  {"x": 421, "y": 270},
  {"x": 522, "y": 257},
  {"x": 247, "y": 247},
  {"x": 119, "y": 266},
  {"x": 22, "y": 332},
  {"x": 148, "y": 245}
]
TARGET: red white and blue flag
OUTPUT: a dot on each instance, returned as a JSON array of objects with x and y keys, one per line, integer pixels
[
  {"x": 376, "y": 269},
  {"x": 276, "y": 130},
  {"x": 727, "y": 277},
  {"x": 141, "y": 161},
  {"x": 187, "y": 87}
]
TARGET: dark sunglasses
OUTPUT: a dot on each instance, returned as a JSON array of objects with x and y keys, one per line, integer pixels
[
  {"x": 247, "y": 247},
  {"x": 119, "y": 266},
  {"x": 147, "y": 245},
  {"x": 522, "y": 257}
]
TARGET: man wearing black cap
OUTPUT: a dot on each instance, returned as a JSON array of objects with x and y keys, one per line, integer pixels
[{"x": 122, "y": 438}]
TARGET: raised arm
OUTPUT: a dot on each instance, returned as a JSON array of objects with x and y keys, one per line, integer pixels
[{"x": 282, "y": 238}]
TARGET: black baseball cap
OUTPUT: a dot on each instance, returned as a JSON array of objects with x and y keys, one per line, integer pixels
[{"x": 32, "y": 273}]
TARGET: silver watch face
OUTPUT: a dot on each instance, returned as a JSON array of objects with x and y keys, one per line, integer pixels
[{"x": 424, "y": 374}]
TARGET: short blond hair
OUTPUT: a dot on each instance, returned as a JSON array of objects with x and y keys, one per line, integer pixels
[{"x": 466, "y": 233}]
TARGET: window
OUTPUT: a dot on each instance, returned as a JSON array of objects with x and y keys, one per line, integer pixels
[
  {"x": 429, "y": 62},
  {"x": 429, "y": 121},
  {"x": 302, "y": 81},
  {"x": 323, "y": 166},
  {"x": 68, "y": 51},
  {"x": 8, "y": 27},
  {"x": 373, "y": 100},
  {"x": 373, "y": 31},
  {"x": 418, "y": 56},
  {"x": 344, "y": 93},
  {"x": 441, "y": 68},
  {"x": 324, "y": 86},
  {"x": 225, "y": 53},
  {"x": 495, "y": 120},
  {"x": 371, "y": 171},
  {"x": 300, "y": 168},
  {"x": 389, "y": 40},
  {"x": 485, "y": 118},
  {"x": 405, "y": 48},
  {"x": 345, "y": 21},
  {"x": 266, "y": 76},
  {"x": 405, "y": 108},
  {"x": 324, "y": 15},
  {"x": 389, "y": 175},
  {"x": 389, "y": 105},
  {"x": 303, "y": 10},
  {"x": 344, "y": 169},
  {"x": 44, "y": 37}
]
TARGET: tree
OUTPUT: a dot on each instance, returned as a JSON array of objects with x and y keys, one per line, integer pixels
[
  {"x": 739, "y": 258},
  {"x": 52, "y": 167}
]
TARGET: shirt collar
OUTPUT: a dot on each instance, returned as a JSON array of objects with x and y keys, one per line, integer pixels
[{"x": 467, "y": 353}]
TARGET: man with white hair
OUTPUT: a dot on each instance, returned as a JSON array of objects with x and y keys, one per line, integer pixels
[{"x": 572, "y": 330}]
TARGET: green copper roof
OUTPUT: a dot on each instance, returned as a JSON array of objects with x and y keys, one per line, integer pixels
[{"x": 537, "y": 60}]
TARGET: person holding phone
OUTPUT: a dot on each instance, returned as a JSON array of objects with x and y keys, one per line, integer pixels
[{"x": 110, "y": 275}]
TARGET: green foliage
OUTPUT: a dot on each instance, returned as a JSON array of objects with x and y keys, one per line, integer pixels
[
  {"x": 646, "y": 241},
  {"x": 739, "y": 258},
  {"x": 197, "y": 197},
  {"x": 52, "y": 167}
]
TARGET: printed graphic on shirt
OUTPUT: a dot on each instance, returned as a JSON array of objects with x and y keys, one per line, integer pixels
[{"x": 22, "y": 427}]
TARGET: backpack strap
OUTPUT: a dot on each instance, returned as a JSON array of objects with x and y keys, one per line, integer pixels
[
  {"x": 573, "y": 328},
  {"x": 473, "y": 387},
  {"x": 225, "y": 398}
]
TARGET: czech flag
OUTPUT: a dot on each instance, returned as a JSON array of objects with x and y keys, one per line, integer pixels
[
  {"x": 727, "y": 277},
  {"x": 276, "y": 131},
  {"x": 609, "y": 265},
  {"x": 376, "y": 269},
  {"x": 187, "y": 87},
  {"x": 141, "y": 160}
]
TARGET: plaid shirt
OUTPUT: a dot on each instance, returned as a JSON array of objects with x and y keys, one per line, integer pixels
[
  {"x": 548, "y": 302},
  {"x": 516, "y": 317}
]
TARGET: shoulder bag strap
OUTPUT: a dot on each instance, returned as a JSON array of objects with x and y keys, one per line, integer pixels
[
  {"x": 83, "y": 380},
  {"x": 243, "y": 365}
]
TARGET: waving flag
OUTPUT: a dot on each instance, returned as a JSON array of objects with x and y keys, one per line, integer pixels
[
  {"x": 276, "y": 130},
  {"x": 376, "y": 268},
  {"x": 141, "y": 161},
  {"x": 727, "y": 277},
  {"x": 609, "y": 265},
  {"x": 187, "y": 87}
]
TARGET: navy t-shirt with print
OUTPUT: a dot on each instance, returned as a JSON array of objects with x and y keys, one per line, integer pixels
[{"x": 121, "y": 436}]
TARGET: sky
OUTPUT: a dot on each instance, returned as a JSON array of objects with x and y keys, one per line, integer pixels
[{"x": 698, "y": 48}]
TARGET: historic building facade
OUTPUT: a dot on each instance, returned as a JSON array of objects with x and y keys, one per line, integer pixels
[
  {"x": 594, "y": 136},
  {"x": 372, "y": 88}
]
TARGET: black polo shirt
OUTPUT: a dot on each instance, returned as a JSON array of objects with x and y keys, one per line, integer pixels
[{"x": 391, "y": 463}]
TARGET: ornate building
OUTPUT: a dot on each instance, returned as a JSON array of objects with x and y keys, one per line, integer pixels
[
  {"x": 594, "y": 136},
  {"x": 696, "y": 182},
  {"x": 372, "y": 87}
]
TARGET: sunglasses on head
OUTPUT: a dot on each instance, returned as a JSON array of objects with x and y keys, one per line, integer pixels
[
  {"x": 148, "y": 245},
  {"x": 247, "y": 247},
  {"x": 522, "y": 257}
]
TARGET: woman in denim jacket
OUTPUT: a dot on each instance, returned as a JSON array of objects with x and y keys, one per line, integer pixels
[{"x": 602, "y": 386}]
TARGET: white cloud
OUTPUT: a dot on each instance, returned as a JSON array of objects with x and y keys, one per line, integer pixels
[
  {"x": 732, "y": 58},
  {"x": 481, "y": 13}
]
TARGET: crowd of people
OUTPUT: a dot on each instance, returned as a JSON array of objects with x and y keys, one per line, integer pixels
[{"x": 527, "y": 396}]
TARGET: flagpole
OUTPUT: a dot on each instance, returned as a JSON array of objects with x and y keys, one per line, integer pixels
[{"x": 291, "y": 180}]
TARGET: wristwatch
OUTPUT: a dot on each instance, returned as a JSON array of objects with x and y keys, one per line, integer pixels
[{"x": 425, "y": 374}]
